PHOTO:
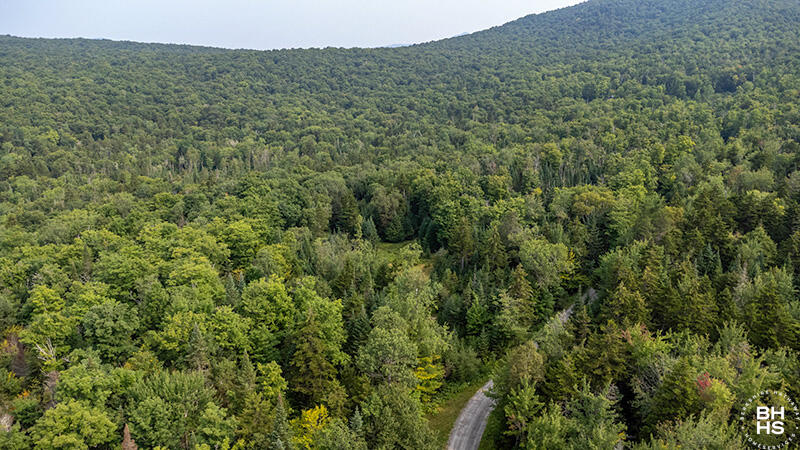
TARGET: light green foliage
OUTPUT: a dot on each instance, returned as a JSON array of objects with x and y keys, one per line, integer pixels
[
  {"x": 196, "y": 274},
  {"x": 230, "y": 330},
  {"x": 120, "y": 269},
  {"x": 338, "y": 435},
  {"x": 94, "y": 384},
  {"x": 525, "y": 366},
  {"x": 703, "y": 432},
  {"x": 14, "y": 439},
  {"x": 213, "y": 427},
  {"x": 392, "y": 419},
  {"x": 270, "y": 381},
  {"x": 73, "y": 425},
  {"x": 268, "y": 304},
  {"x": 429, "y": 375},
  {"x": 585, "y": 202},
  {"x": 413, "y": 296},
  {"x": 388, "y": 356},
  {"x": 756, "y": 252},
  {"x": 522, "y": 406},
  {"x": 272, "y": 312},
  {"x": 109, "y": 328},
  {"x": 203, "y": 243},
  {"x": 10, "y": 384},
  {"x": 548, "y": 430},
  {"x": 176, "y": 410},
  {"x": 175, "y": 339},
  {"x": 548, "y": 263},
  {"x": 84, "y": 296},
  {"x": 241, "y": 237},
  {"x": 272, "y": 261},
  {"x": 308, "y": 425},
  {"x": 50, "y": 327}
]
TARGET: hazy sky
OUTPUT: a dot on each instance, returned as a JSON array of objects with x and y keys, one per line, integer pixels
[{"x": 263, "y": 24}]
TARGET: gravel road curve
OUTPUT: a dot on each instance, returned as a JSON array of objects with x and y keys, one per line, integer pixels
[{"x": 468, "y": 429}]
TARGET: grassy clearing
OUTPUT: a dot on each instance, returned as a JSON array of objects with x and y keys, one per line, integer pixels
[
  {"x": 391, "y": 251},
  {"x": 444, "y": 416}
]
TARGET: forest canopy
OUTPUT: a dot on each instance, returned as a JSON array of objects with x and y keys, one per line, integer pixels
[{"x": 312, "y": 249}]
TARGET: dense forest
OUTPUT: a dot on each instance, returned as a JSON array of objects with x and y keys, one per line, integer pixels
[{"x": 311, "y": 249}]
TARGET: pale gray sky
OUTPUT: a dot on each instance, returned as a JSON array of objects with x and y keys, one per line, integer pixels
[{"x": 263, "y": 24}]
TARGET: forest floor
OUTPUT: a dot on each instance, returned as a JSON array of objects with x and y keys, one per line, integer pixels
[{"x": 442, "y": 419}]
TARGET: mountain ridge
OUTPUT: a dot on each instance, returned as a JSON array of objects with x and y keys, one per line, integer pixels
[{"x": 593, "y": 16}]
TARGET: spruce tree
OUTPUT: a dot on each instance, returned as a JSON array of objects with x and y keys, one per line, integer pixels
[
  {"x": 625, "y": 306},
  {"x": 676, "y": 398},
  {"x": 197, "y": 356},
  {"x": 496, "y": 257},
  {"x": 312, "y": 375},
  {"x": 579, "y": 324},
  {"x": 281, "y": 436},
  {"x": 520, "y": 287}
]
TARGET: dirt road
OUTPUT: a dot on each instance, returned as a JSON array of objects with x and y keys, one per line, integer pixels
[{"x": 468, "y": 429}]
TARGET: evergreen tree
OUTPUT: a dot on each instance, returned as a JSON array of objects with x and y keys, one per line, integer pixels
[
  {"x": 561, "y": 379},
  {"x": 520, "y": 287},
  {"x": 625, "y": 306},
  {"x": 495, "y": 251},
  {"x": 765, "y": 311},
  {"x": 281, "y": 436},
  {"x": 368, "y": 230},
  {"x": 604, "y": 360},
  {"x": 676, "y": 398},
  {"x": 312, "y": 375},
  {"x": 462, "y": 242},
  {"x": 245, "y": 382},
  {"x": 579, "y": 324},
  {"x": 198, "y": 350},
  {"x": 521, "y": 407},
  {"x": 393, "y": 419}
]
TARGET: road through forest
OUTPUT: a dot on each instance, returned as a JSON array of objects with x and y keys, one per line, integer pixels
[
  {"x": 471, "y": 423},
  {"x": 468, "y": 429}
]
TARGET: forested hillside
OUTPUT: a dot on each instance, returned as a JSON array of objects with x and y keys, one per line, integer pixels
[{"x": 310, "y": 249}]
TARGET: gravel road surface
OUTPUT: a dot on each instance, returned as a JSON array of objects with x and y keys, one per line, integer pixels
[{"x": 468, "y": 429}]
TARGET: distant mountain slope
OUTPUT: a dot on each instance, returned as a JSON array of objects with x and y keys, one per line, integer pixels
[
  {"x": 618, "y": 26},
  {"x": 603, "y": 23},
  {"x": 594, "y": 49}
]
